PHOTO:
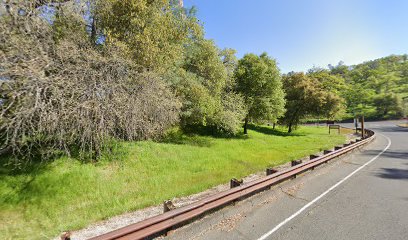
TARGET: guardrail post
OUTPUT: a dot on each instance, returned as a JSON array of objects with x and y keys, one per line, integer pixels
[
  {"x": 313, "y": 156},
  {"x": 66, "y": 235},
  {"x": 296, "y": 162},
  {"x": 168, "y": 206},
  {"x": 327, "y": 151},
  {"x": 235, "y": 183},
  {"x": 270, "y": 171},
  {"x": 337, "y": 148}
]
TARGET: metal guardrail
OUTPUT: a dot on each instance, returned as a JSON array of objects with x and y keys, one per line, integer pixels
[{"x": 163, "y": 222}]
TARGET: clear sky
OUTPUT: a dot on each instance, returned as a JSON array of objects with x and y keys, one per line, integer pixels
[{"x": 301, "y": 34}]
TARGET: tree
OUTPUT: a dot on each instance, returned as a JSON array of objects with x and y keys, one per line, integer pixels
[
  {"x": 333, "y": 87},
  {"x": 389, "y": 105},
  {"x": 304, "y": 97},
  {"x": 259, "y": 82},
  {"x": 165, "y": 38},
  {"x": 204, "y": 88},
  {"x": 153, "y": 33},
  {"x": 230, "y": 62},
  {"x": 340, "y": 69},
  {"x": 330, "y": 82}
]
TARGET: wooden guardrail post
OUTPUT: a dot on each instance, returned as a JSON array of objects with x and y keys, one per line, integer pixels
[
  {"x": 168, "y": 206},
  {"x": 313, "y": 156},
  {"x": 270, "y": 171},
  {"x": 327, "y": 151},
  {"x": 66, "y": 235},
  {"x": 235, "y": 183},
  {"x": 296, "y": 162}
]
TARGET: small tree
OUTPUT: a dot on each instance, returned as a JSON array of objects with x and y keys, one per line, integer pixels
[
  {"x": 259, "y": 82},
  {"x": 303, "y": 97}
]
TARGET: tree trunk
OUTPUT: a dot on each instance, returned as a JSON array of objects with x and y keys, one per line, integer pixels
[
  {"x": 246, "y": 125},
  {"x": 290, "y": 128},
  {"x": 93, "y": 31},
  {"x": 273, "y": 126}
]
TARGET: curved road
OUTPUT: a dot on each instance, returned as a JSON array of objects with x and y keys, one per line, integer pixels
[{"x": 362, "y": 196}]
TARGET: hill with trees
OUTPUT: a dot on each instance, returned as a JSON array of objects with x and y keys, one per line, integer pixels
[{"x": 375, "y": 88}]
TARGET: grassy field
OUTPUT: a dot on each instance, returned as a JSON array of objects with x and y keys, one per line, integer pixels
[{"x": 66, "y": 194}]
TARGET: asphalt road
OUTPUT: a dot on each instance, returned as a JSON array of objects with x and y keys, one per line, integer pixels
[{"x": 361, "y": 196}]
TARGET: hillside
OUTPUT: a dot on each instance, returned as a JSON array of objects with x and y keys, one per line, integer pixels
[{"x": 375, "y": 88}]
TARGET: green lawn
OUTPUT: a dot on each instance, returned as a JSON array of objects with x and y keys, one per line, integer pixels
[{"x": 67, "y": 194}]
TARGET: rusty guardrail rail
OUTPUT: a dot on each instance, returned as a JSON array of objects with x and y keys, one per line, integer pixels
[{"x": 163, "y": 222}]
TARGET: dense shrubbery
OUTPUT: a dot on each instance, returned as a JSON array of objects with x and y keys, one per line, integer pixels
[{"x": 70, "y": 94}]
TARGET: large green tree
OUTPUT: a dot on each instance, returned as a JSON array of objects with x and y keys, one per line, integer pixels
[
  {"x": 258, "y": 80},
  {"x": 333, "y": 86},
  {"x": 205, "y": 87},
  {"x": 304, "y": 97},
  {"x": 152, "y": 32}
]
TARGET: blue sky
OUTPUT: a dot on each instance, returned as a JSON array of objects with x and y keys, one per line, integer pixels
[{"x": 301, "y": 34}]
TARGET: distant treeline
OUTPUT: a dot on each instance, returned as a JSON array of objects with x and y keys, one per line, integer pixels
[{"x": 377, "y": 89}]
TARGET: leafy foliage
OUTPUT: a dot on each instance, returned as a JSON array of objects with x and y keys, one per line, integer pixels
[
  {"x": 153, "y": 32},
  {"x": 332, "y": 87},
  {"x": 77, "y": 75},
  {"x": 259, "y": 82},
  {"x": 303, "y": 98},
  {"x": 307, "y": 96},
  {"x": 375, "y": 88}
]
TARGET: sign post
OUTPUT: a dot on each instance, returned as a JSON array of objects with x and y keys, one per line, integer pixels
[
  {"x": 356, "y": 123},
  {"x": 332, "y": 126}
]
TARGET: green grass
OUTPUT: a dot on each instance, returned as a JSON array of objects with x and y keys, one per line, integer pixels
[{"x": 65, "y": 195}]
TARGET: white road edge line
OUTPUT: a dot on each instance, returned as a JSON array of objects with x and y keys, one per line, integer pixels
[{"x": 323, "y": 194}]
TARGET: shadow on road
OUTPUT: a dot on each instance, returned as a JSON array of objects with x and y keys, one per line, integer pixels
[
  {"x": 389, "y": 154},
  {"x": 390, "y": 129},
  {"x": 393, "y": 173}
]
